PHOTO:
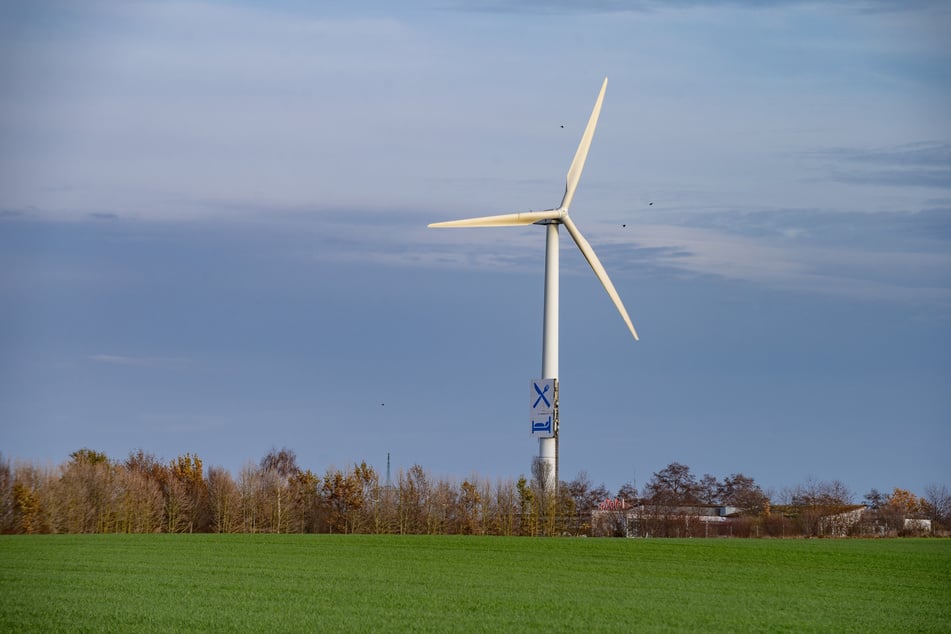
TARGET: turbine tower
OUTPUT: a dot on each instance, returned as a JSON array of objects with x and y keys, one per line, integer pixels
[{"x": 547, "y": 429}]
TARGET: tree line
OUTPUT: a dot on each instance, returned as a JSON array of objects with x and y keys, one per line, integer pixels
[{"x": 92, "y": 493}]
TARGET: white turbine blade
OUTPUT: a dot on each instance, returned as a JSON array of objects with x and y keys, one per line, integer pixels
[
  {"x": 595, "y": 263},
  {"x": 577, "y": 164},
  {"x": 505, "y": 220}
]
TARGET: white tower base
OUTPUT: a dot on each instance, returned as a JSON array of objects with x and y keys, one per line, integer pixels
[
  {"x": 548, "y": 447},
  {"x": 548, "y": 458}
]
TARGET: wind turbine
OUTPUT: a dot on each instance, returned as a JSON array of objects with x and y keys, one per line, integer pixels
[{"x": 552, "y": 218}]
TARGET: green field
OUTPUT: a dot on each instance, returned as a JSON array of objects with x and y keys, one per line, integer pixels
[{"x": 417, "y": 583}]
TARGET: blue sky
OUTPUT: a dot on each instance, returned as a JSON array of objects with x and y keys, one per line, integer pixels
[{"x": 213, "y": 235}]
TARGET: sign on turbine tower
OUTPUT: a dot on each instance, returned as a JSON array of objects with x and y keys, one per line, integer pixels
[{"x": 544, "y": 399}]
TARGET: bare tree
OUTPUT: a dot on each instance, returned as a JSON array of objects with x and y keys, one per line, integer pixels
[
  {"x": 187, "y": 496},
  {"x": 742, "y": 492},
  {"x": 470, "y": 505},
  {"x": 821, "y": 493},
  {"x": 368, "y": 489},
  {"x": 708, "y": 490},
  {"x": 628, "y": 493},
  {"x": 545, "y": 495},
  {"x": 6, "y": 496},
  {"x": 938, "y": 500},
  {"x": 341, "y": 494},
  {"x": 349, "y": 496},
  {"x": 32, "y": 494},
  {"x": 486, "y": 507},
  {"x": 875, "y": 499},
  {"x": 224, "y": 500},
  {"x": 541, "y": 474},
  {"x": 528, "y": 511},
  {"x": 384, "y": 512},
  {"x": 140, "y": 504},
  {"x": 673, "y": 485},
  {"x": 816, "y": 499},
  {"x": 254, "y": 516},
  {"x": 277, "y": 468},
  {"x": 305, "y": 500},
  {"x": 506, "y": 508},
  {"x": 584, "y": 498},
  {"x": 84, "y": 493},
  {"x": 414, "y": 491},
  {"x": 440, "y": 512},
  {"x": 142, "y": 478}
]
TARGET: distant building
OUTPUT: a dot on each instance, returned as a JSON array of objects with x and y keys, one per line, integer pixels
[
  {"x": 841, "y": 522},
  {"x": 710, "y": 520},
  {"x": 654, "y": 520},
  {"x": 916, "y": 526}
]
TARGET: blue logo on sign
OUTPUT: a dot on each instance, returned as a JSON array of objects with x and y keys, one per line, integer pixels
[
  {"x": 542, "y": 426},
  {"x": 541, "y": 396}
]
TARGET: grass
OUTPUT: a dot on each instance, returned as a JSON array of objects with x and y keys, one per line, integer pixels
[{"x": 417, "y": 583}]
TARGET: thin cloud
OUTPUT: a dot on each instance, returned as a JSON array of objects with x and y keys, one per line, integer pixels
[
  {"x": 886, "y": 256},
  {"x": 892, "y": 261},
  {"x": 926, "y": 164},
  {"x": 882, "y": 273}
]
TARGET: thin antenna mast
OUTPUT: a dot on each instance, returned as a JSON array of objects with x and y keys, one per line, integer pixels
[{"x": 388, "y": 483}]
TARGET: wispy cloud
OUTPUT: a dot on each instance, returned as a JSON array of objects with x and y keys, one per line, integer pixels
[
  {"x": 926, "y": 164},
  {"x": 789, "y": 261},
  {"x": 890, "y": 257}
]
